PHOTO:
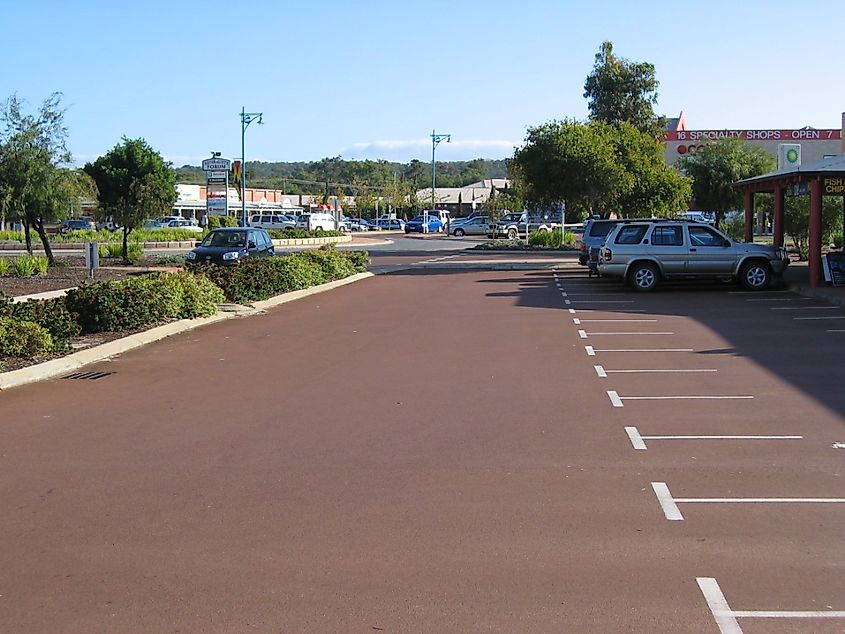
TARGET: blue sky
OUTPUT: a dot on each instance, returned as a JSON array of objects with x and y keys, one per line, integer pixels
[{"x": 371, "y": 79}]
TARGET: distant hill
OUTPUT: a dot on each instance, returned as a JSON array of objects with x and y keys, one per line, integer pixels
[{"x": 311, "y": 178}]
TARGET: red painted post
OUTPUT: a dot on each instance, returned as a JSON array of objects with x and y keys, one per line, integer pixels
[
  {"x": 749, "y": 215},
  {"x": 777, "y": 229},
  {"x": 815, "y": 246}
]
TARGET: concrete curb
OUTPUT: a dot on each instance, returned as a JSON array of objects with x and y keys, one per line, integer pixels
[
  {"x": 44, "y": 295},
  {"x": 818, "y": 293},
  {"x": 76, "y": 360}
]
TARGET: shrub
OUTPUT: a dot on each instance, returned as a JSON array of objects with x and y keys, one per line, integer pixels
[
  {"x": 134, "y": 251},
  {"x": 170, "y": 259},
  {"x": 332, "y": 262},
  {"x": 129, "y": 304},
  {"x": 292, "y": 234},
  {"x": 29, "y": 265},
  {"x": 4, "y": 266},
  {"x": 51, "y": 314},
  {"x": 837, "y": 240},
  {"x": 11, "y": 236},
  {"x": 23, "y": 338},
  {"x": 216, "y": 222}
]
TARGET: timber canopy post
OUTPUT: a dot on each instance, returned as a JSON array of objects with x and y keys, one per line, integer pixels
[{"x": 749, "y": 215}]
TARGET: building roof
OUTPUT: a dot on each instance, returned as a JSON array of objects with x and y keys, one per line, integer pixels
[{"x": 834, "y": 166}]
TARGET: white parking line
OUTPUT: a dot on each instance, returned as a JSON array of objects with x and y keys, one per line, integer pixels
[
  {"x": 605, "y": 301},
  {"x": 638, "y": 440},
  {"x": 629, "y": 333},
  {"x": 669, "y": 504},
  {"x": 624, "y": 320},
  {"x": 567, "y": 302},
  {"x": 643, "y": 349},
  {"x": 603, "y": 372},
  {"x": 726, "y": 618},
  {"x": 757, "y": 292},
  {"x": 836, "y": 331},
  {"x": 576, "y": 321},
  {"x": 572, "y": 311},
  {"x": 590, "y": 351},
  {"x": 618, "y": 401},
  {"x": 814, "y": 318},
  {"x": 582, "y": 334}
]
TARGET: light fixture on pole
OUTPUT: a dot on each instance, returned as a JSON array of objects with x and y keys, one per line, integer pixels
[
  {"x": 246, "y": 119},
  {"x": 435, "y": 139}
]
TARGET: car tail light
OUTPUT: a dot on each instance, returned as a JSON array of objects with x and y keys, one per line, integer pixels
[{"x": 608, "y": 255}]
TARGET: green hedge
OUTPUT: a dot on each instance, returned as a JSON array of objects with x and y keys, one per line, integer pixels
[
  {"x": 23, "y": 338},
  {"x": 296, "y": 234},
  {"x": 216, "y": 222},
  {"x": 50, "y": 314},
  {"x": 130, "y": 304},
  {"x": 258, "y": 279}
]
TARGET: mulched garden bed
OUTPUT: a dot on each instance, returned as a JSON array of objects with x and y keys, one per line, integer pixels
[{"x": 71, "y": 271}]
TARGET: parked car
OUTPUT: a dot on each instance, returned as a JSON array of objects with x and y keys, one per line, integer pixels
[
  {"x": 316, "y": 221},
  {"x": 272, "y": 221},
  {"x": 77, "y": 224},
  {"x": 230, "y": 245},
  {"x": 513, "y": 225},
  {"x": 644, "y": 252},
  {"x": 443, "y": 215},
  {"x": 391, "y": 224},
  {"x": 476, "y": 226},
  {"x": 421, "y": 224},
  {"x": 359, "y": 224},
  {"x": 595, "y": 232}
]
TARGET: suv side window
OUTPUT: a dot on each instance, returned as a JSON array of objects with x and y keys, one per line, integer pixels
[
  {"x": 631, "y": 234},
  {"x": 667, "y": 236},
  {"x": 705, "y": 237}
]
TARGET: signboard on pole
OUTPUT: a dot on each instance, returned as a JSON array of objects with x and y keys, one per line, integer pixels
[{"x": 217, "y": 186}]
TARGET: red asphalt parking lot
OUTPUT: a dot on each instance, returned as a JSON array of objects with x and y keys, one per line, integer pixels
[{"x": 436, "y": 451}]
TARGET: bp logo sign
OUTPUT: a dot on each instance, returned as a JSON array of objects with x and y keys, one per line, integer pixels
[{"x": 792, "y": 156}]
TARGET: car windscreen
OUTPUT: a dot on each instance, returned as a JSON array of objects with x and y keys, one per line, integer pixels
[{"x": 225, "y": 239}]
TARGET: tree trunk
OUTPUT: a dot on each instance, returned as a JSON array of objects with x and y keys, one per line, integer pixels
[
  {"x": 38, "y": 223},
  {"x": 126, "y": 231},
  {"x": 27, "y": 235}
]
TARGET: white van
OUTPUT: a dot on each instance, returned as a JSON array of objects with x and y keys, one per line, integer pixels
[
  {"x": 316, "y": 221},
  {"x": 272, "y": 222}
]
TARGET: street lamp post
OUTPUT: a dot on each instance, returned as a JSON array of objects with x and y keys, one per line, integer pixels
[
  {"x": 246, "y": 119},
  {"x": 435, "y": 139}
]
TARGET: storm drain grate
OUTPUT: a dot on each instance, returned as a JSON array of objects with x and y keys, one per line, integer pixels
[{"x": 90, "y": 376}]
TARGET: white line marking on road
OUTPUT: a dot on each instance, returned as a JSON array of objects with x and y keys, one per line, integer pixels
[
  {"x": 600, "y": 371},
  {"x": 576, "y": 321},
  {"x": 838, "y": 445},
  {"x": 756, "y": 292},
  {"x": 718, "y": 604},
  {"x": 603, "y": 310},
  {"x": 605, "y": 301},
  {"x": 630, "y": 333},
  {"x": 638, "y": 321},
  {"x": 567, "y": 302},
  {"x": 667, "y": 503},
  {"x": 644, "y": 350},
  {"x": 683, "y": 398},
  {"x": 814, "y": 318},
  {"x": 590, "y": 351},
  {"x": 836, "y": 330},
  {"x": 780, "y": 299},
  {"x": 582, "y": 334},
  {"x": 614, "y": 398},
  {"x": 572, "y": 311},
  {"x": 563, "y": 294},
  {"x": 638, "y": 440},
  {"x": 726, "y": 618},
  {"x": 585, "y": 294},
  {"x": 670, "y": 508},
  {"x": 805, "y": 308},
  {"x": 647, "y": 370}
]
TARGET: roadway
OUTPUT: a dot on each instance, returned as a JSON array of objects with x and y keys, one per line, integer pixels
[{"x": 442, "y": 450}]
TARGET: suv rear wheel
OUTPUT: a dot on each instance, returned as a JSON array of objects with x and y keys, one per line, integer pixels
[
  {"x": 755, "y": 276},
  {"x": 643, "y": 276},
  {"x": 512, "y": 234}
]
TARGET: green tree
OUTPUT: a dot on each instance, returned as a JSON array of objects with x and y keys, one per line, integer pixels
[
  {"x": 135, "y": 183},
  {"x": 716, "y": 165},
  {"x": 618, "y": 90},
  {"x": 35, "y": 186},
  {"x": 796, "y": 221},
  {"x": 647, "y": 187},
  {"x": 568, "y": 161}
]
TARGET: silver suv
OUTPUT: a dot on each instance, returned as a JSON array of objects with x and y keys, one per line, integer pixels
[{"x": 643, "y": 253}]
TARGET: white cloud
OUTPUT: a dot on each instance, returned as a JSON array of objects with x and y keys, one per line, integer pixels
[{"x": 405, "y": 150}]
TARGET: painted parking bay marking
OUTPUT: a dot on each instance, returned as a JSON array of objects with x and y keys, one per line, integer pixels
[
  {"x": 591, "y": 351},
  {"x": 618, "y": 401},
  {"x": 726, "y": 618},
  {"x": 669, "y": 504},
  {"x": 603, "y": 372},
  {"x": 638, "y": 440}
]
